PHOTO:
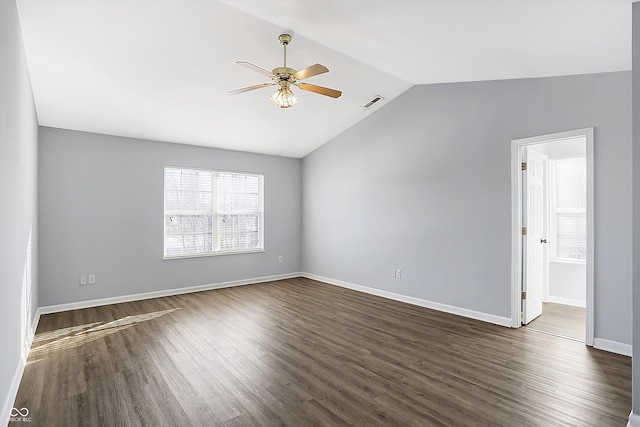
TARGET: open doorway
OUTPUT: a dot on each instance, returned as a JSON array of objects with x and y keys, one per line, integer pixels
[{"x": 552, "y": 262}]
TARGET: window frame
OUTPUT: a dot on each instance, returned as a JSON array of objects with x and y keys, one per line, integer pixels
[
  {"x": 215, "y": 214},
  {"x": 554, "y": 211}
]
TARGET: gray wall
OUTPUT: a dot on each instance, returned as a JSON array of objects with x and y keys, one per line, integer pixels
[
  {"x": 423, "y": 185},
  {"x": 18, "y": 198},
  {"x": 101, "y": 212},
  {"x": 636, "y": 210}
]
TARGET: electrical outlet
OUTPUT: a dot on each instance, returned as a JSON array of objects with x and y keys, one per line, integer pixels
[
  {"x": 280, "y": 259},
  {"x": 398, "y": 274},
  {"x": 83, "y": 280},
  {"x": 92, "y": 279}
]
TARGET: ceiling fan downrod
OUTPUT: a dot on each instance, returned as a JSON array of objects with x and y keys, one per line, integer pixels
[{"x": 285, "y": 39}]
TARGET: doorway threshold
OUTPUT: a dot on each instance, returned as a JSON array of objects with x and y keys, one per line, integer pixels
[{"x": 529, "y": 328}]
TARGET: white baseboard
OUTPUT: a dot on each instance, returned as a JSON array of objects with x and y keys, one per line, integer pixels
[
  {"x": 158, "y": 294},
  {"x": 612, "y": 346},
  {"x": 34, "y": 326},
  {"x": 567, "y": 301},
  {"x": 634, "y": 420},
  {"x": 13, "y": 392},
  {"x": 490, "y": 318},
  {"x": 5, "y": 415}
]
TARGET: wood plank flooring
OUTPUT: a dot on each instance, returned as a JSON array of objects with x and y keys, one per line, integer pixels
[
  {"x": 562, "y": 320},
  {"x": 302, "y": 353}
]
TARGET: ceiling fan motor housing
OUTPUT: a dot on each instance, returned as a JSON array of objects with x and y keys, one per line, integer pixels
[{"x": 284, "y": 73}]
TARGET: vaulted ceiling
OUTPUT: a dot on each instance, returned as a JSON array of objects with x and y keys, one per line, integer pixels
[{"x": 162, "y": 69}]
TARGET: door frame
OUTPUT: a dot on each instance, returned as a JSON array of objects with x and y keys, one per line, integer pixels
[{"x": 517, "y": 148}]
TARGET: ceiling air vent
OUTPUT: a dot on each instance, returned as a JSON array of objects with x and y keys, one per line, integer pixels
[{"x": 373, "y": 101}]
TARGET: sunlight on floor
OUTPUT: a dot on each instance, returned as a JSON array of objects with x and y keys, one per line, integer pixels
[{"x": 66, "y": 338}]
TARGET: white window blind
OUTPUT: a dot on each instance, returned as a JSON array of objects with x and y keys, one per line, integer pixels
[
  {"x": 569, "y": 208},
  {"x": 209, "y": 212}
]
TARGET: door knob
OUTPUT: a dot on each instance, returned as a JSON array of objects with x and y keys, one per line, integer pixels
[{"x": 543, "y": 240}]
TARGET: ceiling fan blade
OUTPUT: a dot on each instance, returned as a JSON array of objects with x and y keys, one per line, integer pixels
[
  {"x": 320, "y": 89},
  {"x": 247, "y": 89},
  {"x": 311, "y": 71},
  {"x": 257, "y": 69}
]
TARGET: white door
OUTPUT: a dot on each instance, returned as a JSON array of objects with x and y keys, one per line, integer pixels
[{"x": 534, "y": 241}]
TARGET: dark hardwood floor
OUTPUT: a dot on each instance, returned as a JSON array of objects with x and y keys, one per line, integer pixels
[{"x": 302, "y": 353}]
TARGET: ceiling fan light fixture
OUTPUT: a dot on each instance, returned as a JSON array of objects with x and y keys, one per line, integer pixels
[{"x": 284, "y": 97}]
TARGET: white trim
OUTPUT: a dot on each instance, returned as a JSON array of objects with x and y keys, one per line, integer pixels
[
  {"x": 34, "y": 326},
  {"x": 591, "y": 260},
  {"x": 516, "y": 219},
  {"x": 568, "y": 261},
  {"x": 218, "y": 253},
  {"x": 516, "y": 248},
  {"x": 634, "y": 420},
  {"x": 567, "y": 301},
  {"x": 612, "y": 346},
  {"x": 477, "y": 315},
  {"x": 5, "y": 415},
  {"x": 13, "y": 392},
  {"x": 158, "y": 294}
]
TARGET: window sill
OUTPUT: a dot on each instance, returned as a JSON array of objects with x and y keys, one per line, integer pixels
[
  {"x": 568, "y": 261},
  {"x": 172, "y": 257}
]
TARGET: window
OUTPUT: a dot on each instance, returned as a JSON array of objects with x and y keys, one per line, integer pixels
[
  {"x": 569, "y": 209},
  {"x": 209, "y": 212}
]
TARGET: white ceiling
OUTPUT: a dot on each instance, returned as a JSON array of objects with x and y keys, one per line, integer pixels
[{"x": 161, "y": 70}]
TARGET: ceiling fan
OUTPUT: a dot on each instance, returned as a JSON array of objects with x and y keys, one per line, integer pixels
[{"x": 284, "y": 77}]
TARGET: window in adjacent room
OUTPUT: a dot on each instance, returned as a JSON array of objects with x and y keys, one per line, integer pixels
[
  {"x": 568, "y": 182},
  {"x": 209, "y": 212}
]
